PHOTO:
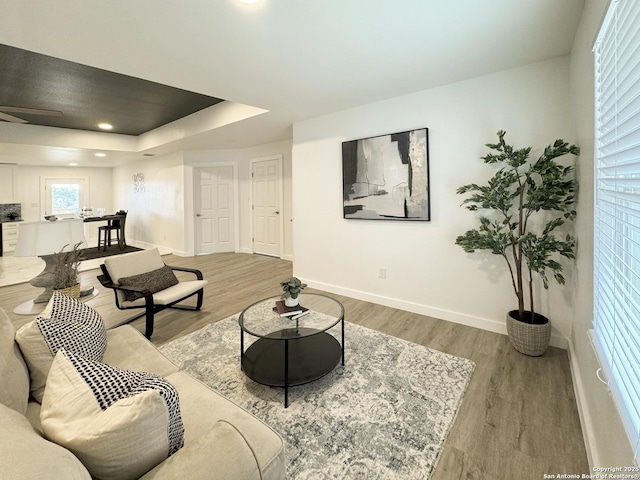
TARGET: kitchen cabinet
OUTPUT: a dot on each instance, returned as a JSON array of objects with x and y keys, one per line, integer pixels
[
  {"x": 7, "y": 183},
  {"x": 9, "y": 237}
]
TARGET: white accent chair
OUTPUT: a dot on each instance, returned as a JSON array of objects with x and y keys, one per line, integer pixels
[{"x": 119, "y": 267}]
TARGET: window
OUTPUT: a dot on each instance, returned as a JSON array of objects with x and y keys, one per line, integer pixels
[
  {"x": 616, "y": 331},
  {"x": 64, "y": 196}
]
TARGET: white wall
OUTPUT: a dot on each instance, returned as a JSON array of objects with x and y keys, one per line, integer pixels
[
  {"x": 426, "y": 272},
  {"x": 156, "y": 215},
  {"x": 605, "y": 438}
]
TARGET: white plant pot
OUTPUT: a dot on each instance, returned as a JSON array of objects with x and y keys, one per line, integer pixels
[{"x": 291, "y": 302}]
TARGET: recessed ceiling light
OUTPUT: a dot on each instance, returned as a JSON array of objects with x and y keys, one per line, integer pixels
[
  {"x": 100, "y": 154},
  {"x": 73, "y": 164},
  {"x": 105, "y": 126},
  {"x": 249, "y": 1}
]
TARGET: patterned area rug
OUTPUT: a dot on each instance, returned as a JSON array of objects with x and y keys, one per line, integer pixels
[{"x": 386, "y": 415}]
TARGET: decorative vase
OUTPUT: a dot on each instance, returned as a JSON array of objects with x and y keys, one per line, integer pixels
[
  {"x": 73, "y": 291},
  {"x": 291, "y": 302},
  {"x": 529, "y": 338}
]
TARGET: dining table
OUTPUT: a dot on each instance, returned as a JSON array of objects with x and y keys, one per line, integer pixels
[{"x": 122, "y": 242}]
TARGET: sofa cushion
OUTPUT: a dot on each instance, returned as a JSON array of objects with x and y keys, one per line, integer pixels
[
  {"x": 33, "y": 415},
  {"x": 119, "y": 423},
  {"x": 25, "y": 455},
  {"x": 153, "y": 281},
  {"x": 171, "y": 294},
  {"x": 202, "y": 408},
  {"x": 222, "y": 453},
  {"x": 72, "y": 325},
  {"x": 14, "y": 376},
  {"x": 129, "y": 349}
]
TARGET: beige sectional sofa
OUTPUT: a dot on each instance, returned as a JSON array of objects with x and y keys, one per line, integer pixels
[{"x": 221, "y": 440}]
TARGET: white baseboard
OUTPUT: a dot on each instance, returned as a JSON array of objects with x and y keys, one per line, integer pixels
[
  {"x": 179, "y": 253},
  {"x": 287, "y": 257},
  {"x": 557, "y": 340},
  {"x": 588, "y": 432}
]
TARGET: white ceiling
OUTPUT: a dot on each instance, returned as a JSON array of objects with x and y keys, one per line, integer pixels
[{"x": 298, "y": 59}]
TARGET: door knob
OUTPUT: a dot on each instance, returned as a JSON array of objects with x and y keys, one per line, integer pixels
[
  {"x": 198, "y": 215},
  {"x": 277, "y": 212}
]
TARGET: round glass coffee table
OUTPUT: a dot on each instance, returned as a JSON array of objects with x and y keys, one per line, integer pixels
[{"x": 290, "y": 351}]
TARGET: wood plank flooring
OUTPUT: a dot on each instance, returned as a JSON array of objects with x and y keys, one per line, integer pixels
[{"x": 518, "y": 419}]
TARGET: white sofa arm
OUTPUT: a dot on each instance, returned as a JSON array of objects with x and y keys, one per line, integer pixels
[{"x": 221, "y": 454}]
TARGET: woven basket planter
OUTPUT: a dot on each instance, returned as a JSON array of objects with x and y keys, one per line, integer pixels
[
  {"x": 529, "y": 338},
  {"x": 73, "y": 292}
]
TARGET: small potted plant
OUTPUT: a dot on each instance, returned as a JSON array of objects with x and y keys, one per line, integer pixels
[
  {"x": 65, "y": 271},
  {"x": 520, "y": 190},
  {"x": 291, "y": 288}
]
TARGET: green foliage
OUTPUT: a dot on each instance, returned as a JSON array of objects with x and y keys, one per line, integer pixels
[
  {"x": 65, "y": 198},
  {"x": 291, "y": 287},
  {"x": 65, "y": 272},
  {"x": 518, "y": 190}
]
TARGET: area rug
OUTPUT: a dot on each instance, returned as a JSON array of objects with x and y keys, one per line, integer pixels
[
  {"x": 385, "y": 415},
  {"x": 95, "y": 252}
]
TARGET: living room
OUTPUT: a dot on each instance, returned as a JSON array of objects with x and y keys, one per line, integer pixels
[{"x": 535, "y": 101}]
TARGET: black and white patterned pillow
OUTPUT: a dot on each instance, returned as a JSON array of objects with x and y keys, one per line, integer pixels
[
  {"x": 153, "y": 281},
  {"x": 75, "y": 327},
  {"x": 70, "y": 325},
  {"x": 120, "y": 424},
  {"x": 110, "y": 384}
]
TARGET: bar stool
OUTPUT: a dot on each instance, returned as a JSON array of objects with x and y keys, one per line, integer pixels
[{"x": 105, "y": 231}]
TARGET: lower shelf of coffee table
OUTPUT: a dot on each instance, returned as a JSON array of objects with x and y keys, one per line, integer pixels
[{"x": 310, "y": 358}]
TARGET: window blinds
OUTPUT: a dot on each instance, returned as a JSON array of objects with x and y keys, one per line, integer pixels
[{"x": 617, "y": 210}]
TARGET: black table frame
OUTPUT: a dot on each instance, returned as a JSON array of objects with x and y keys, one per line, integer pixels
[
  {"x": 122, "y": 242},
  {"x": 281, "y": 359}
]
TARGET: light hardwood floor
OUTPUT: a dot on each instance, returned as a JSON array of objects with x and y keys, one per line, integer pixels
[{"x": 518, "y": 419}]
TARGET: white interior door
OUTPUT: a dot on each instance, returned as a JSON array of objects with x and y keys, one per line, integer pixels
[
  {"x": 215, "y": 210},
  {"x": 266, "y": 189}
]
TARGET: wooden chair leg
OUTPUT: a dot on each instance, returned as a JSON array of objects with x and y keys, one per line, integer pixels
[{"x": 100, "y": 241}]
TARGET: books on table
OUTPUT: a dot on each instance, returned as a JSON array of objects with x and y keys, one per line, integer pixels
[
  {"x": 296, "y": 317},
  {"x": 291, "y": 312}
]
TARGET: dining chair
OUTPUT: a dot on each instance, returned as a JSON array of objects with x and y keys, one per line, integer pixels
[{"x": 104, "y": 232}]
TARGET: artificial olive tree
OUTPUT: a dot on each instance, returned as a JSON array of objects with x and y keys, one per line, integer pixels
[{"x": 520, "y": 189}]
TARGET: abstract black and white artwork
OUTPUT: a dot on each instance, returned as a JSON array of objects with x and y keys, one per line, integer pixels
[{"x": 387, "y": 177}]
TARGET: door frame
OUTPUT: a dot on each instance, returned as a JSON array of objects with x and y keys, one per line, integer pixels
[
  {"x": 279, "y": 157},
  {"x": 236, "y": 202}
]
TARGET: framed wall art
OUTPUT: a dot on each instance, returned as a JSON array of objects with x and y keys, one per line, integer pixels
[{"x": 387, "y": 177}]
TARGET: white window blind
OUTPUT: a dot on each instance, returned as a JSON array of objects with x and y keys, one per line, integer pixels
[{"x": 617, "y": 210}]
